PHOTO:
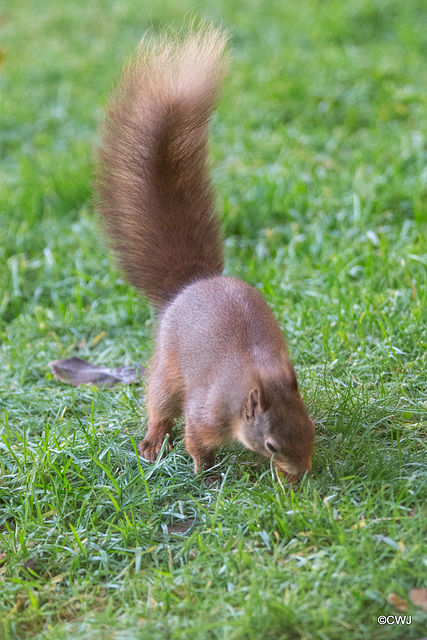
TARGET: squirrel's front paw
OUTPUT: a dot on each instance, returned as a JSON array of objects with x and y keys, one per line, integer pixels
[{"x": 150, "y": 449}]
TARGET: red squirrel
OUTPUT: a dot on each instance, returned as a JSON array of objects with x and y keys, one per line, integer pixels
[{"x": 220, "y": 355}]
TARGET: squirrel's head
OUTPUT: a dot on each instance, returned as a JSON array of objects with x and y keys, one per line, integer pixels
[{"x": 274, "y": 422}]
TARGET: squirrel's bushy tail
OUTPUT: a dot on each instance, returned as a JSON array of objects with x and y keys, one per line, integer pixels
[{"x": 155, "y": 194}]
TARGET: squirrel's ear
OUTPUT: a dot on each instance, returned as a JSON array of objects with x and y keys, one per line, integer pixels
[{"x": 253, "y": 403}]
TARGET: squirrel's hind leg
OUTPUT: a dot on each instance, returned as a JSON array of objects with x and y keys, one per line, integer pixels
[{"x": 164, "y": 403}]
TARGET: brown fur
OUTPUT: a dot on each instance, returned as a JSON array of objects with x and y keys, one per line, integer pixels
[
  {"x": 220, "y": 355},
  {"x": 155, "y": 193}
]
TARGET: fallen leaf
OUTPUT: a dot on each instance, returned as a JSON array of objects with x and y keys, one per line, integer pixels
[
  {"x": 181, "y": 527},
  {"x": 76, "y": 371},
  {"x": 418, "y": 597},
  {"x": 397, "y": 602},
  {"x": 27, "y": 570}
]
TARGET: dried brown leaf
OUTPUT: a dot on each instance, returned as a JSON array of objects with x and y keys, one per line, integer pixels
[
  {"x": 419, "y": 597},
  {"x": 76, "y": 371},
  {"x": 397, "y": 602},
  {"x": 181, "y": 527},
  {"x": 28, "y": 570}
]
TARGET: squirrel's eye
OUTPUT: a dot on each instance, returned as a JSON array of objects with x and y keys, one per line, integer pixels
[{"x": 270, "y": 447}]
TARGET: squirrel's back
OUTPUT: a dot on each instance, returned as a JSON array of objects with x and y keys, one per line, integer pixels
[{"x": 155, "y": 194}]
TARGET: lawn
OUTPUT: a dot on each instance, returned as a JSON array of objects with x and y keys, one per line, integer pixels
[{"x": 319, "y": 159}]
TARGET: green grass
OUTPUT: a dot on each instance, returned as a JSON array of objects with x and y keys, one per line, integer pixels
[{"x": 320, "y": 162}]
